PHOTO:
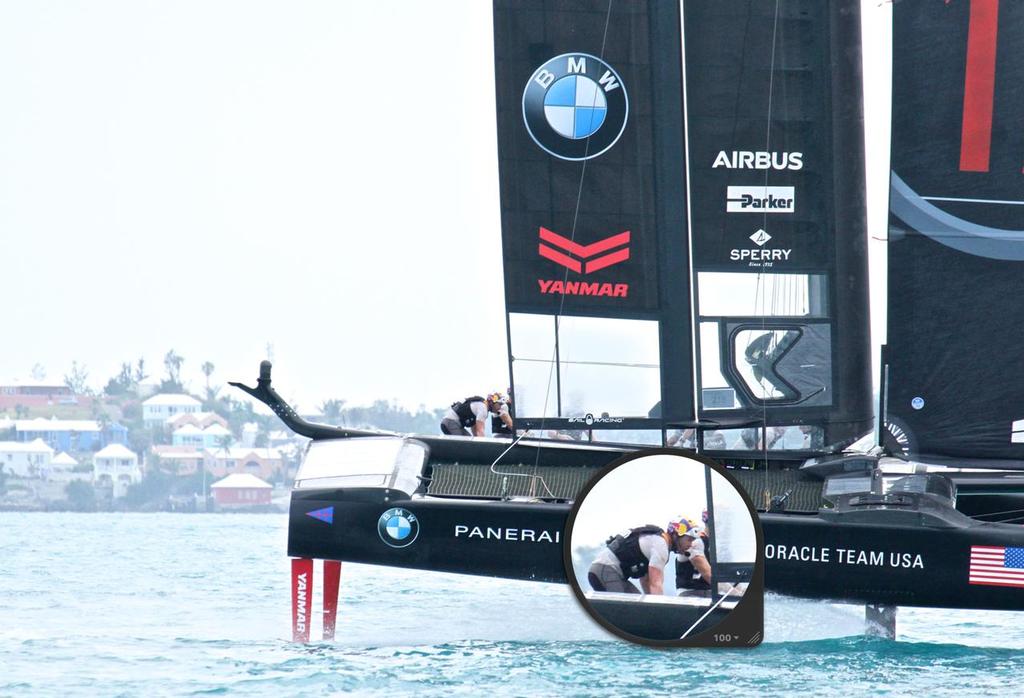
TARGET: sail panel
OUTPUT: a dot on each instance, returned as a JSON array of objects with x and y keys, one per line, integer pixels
[
  {"x": 593, "y": 211},
  {"x": 956, "y": 239},
  {"x": 776, "y": 177}
]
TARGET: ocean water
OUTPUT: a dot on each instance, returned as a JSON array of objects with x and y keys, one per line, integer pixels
[{"x": 164, "y": 604}]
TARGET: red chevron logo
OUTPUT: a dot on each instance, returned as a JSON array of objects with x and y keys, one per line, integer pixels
[{"x": 592, "y": 257}]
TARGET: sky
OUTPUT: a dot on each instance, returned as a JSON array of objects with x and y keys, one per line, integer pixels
[{"x": 315, "y": 181}]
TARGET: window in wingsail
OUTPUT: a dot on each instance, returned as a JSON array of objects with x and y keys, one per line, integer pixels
[{"x": 583, "y": 365}]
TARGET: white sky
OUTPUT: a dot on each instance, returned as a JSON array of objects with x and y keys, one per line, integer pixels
[{"x": 318, "y": 175}]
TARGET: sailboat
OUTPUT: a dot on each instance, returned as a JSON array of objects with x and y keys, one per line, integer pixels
[{"x": 684, "y": 243}]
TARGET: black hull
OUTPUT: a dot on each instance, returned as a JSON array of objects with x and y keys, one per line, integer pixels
[{"x": 812, "y": 556}]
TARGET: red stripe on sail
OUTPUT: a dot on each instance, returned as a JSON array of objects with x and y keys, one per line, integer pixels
[
  {"x": 556, "y": 256},
  {"x": 979, "y": 86},
  {"x": 608, "y": 260}
]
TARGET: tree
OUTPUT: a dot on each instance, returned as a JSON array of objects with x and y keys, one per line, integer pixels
[
  {"x": 39, "y": 373},
  {"x": 332, "y": 411},
  {"x": 140, "y": 371},
  {"x": 20, "y": 411},
  {"x": 81, "y": 495},
  {"x": 3, "y": 480},
  {"x": 76, "y": 378},
  {"x": 173, "y": 362},
  {"x": 207, "y": 369},
  {"x": 121, "y": 383}
]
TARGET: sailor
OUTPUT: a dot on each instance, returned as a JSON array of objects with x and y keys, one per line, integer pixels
[
  {"x": 471, "y": 414},
  {"x": 501, "y": 421},
  {"x": 642, "y": 553},
  {"x": 693, "y": 571}
]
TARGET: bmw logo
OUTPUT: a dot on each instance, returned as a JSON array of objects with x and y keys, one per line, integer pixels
[
  {"x": 398, "y": 527},
  {"x": 575, "y": 106}
]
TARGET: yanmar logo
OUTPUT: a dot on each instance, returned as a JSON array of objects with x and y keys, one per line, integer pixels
[
  {"x": 760, "y": 200},
  {"x": 583, "y": 259}
]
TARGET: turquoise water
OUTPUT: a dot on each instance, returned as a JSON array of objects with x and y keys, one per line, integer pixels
[{"x": 163, "y": 604}]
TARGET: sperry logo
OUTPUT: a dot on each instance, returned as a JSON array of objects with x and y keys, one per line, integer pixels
[
  {"x": 759, "y": 256},
  {"x": 760, "y": 200},
  {"x": 595, "y": 256}
]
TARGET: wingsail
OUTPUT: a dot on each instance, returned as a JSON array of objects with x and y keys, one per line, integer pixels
[{"x": 956, "y": 240}]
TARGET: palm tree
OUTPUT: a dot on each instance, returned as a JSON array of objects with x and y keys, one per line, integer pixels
[
  {"x": 331, "y": 410},
  {"x": 207, "y": 369}
]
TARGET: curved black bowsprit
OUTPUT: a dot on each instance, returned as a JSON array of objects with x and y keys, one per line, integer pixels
[{"x": 266, "y": 394}]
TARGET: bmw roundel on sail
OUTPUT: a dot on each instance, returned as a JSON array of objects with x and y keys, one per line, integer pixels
[{"x": 575, "y": 106}]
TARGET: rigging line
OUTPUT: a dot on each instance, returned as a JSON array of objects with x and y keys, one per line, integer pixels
[
  {"x": 713, "y": 607},
  {"x": 572, "y": 232},
  {"x": 594, "y": 363},
  {"x": 767, "y": 147}
]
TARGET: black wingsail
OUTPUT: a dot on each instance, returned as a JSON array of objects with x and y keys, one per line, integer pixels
[
  {"x": 956, "y": 239},
  {"x": 593, "y": 216},
  {"x": 777, "y": 214}
]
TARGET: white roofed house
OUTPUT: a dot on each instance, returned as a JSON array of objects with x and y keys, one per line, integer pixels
[
  {"x": 241, "y": 490},
  {"x": 25, "y": 459},
  {"x": 64, "y": 468},
  {"x": 211, "y": 437},
  {"x": 265, "y": 463},
  {"x": 116, "y": 467},
  {"x": 178, "y": 460},
  {"x": 159, "y": 408}
]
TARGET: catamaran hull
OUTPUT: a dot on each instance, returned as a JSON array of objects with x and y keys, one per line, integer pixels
[{"x": 805, "y": 555}]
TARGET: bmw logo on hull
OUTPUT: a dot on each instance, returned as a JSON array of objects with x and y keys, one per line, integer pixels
[
  {"x": 575, "y": 106},
  {"x": 398, "y": 527}
]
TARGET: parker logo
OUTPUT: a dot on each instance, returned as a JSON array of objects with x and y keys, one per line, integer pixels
[
  {"x": 758, "y": 160},
  {"x": 593, "y": 255},
  {"x": 760, "y": 200}
]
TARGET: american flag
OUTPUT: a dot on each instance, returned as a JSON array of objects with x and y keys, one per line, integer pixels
[{"x": 996, "y": 566}]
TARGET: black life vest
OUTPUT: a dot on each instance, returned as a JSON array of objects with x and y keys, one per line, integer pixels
[
  {"x": 627, "y": 550},
  {"x": 498, "y": 427},
  {"x": 464, "y": 412},
  {"x": 687, "y": 576}
]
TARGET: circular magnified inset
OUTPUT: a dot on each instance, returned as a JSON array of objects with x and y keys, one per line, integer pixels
[{"x": 665, "y": 549}]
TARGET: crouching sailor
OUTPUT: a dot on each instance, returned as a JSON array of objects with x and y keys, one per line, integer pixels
[
  {"x": 642, "y": 553},
  {"x": 693, "y": 571},
  {"x": 471, "y": 414}
]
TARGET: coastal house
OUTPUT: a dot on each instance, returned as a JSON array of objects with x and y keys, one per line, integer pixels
[
  {"x": 73, "y": 435},
  {"x": 240, "y": 490},
  {"x": 198, "y": 419},
  {"x": 178, "y": 460},
  {"x": 116, "y": 467},
  {"x": 262, "y": 462},
  {"x": 35, "y": 394},
  {"x": 159, "y": 408},
  {"x": 22, "y": 459},
  {"x": 64, "y": 468},
  {"x": 212, "y": 436}
]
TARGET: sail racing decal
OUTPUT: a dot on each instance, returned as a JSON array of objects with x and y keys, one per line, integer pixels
[
  {"x": 995, "y": 565},
  {"x": 575, "y": 106}
]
